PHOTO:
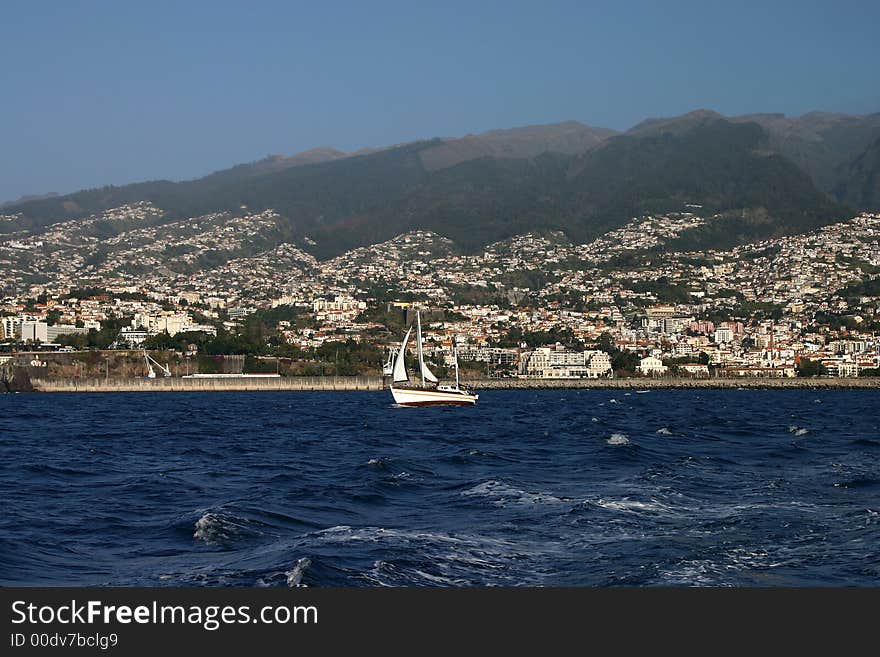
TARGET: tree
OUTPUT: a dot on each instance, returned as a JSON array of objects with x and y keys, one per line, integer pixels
[{"x": 807, "y": 367}]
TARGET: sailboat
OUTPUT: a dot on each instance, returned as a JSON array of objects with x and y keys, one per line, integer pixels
[{"x": 430, "y": 392}]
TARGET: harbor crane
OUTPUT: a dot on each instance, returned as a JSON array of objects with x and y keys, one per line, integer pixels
[{"x": 150, "y": 361}]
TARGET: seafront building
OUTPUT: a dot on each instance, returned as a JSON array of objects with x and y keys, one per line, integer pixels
[{"x": 557, "y": 362}]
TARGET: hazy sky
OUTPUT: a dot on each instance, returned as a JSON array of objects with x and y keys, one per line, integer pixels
[{"x": 95, "y": 93}]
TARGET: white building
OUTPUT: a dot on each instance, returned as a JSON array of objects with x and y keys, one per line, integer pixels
[
  {"x": 167, "y": 322},
  {"x": 34, "y": 331},
  {"x": 52, "y": 332},
  {"x": 560, "y": 363},
  {"x": 338, "y": 303},
  {"x": 695, "y": 369},
  {"x": 132, "y": 335},
  {"x": 651, "y": 365},
  {"x": 11, "y": 327},
  {"x": 723, "y": 334},
  {"x": 598, "y": 364}
]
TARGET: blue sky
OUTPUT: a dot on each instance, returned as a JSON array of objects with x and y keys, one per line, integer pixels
[{"x": 95, "y": 93}]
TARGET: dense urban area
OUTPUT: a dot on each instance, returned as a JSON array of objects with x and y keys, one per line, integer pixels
[{"x": 211, "y": 290}]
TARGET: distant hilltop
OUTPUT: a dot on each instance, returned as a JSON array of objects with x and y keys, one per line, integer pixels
[{"x": 29, "y": 197}]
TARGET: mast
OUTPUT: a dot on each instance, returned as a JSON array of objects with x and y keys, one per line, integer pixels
[
  {"x": 419, "y": 342},
  {"x": 455, "y": 355}
]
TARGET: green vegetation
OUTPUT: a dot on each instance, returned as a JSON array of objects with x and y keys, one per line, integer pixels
[
  {"x": 663, "y": 289},
  {"x": 869, "y": 287},
  {"x": 623, "y": 362},
  {"x": 807, "y": 367},
  {"x": 360, "y": 200},
  {"x": 533, "y": 339},
  {"x": 95, "y": 339}
]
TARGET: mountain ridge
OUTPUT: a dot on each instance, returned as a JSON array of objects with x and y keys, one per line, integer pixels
[{"x": 477, "y": 189}]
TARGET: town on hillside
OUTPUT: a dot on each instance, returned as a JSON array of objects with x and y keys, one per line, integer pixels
[{"x": 634, "y": 302}]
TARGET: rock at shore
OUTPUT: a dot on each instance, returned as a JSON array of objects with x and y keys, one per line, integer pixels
[{"x": 15, "y": 379}]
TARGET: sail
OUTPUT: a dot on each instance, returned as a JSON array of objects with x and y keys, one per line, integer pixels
[
  {"x": 399, "y": 362},
  {"x": 428, "y": 374}
]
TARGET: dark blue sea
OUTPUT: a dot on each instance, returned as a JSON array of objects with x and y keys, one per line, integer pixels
[{"x": 533, "y": 488}]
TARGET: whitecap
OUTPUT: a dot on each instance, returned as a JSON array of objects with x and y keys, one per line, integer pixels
[
  {"x": 797, "y": 431},
  {"x": 664, "y": 431},
  {"x": 503, "y": 494},
  {"x": 295, "y": 574},
  {"x": 214, "y": 527},
  {"x": 618, "y": 439},
  {"x": 627, "y": 505},
  {"x": 210, "y": 528}
]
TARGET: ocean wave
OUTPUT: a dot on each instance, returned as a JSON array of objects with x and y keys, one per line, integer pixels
[
  {"x": 858, "y": 482},
  {"x": 797, "y": 431},
  {"x": 295, "y": 574},
  {"x": 427, "y": 558},
  {"x": 503, "y": 494},
  {"x": 215, "y": 528},
  {"x": 618, "y": 439},
  {"x": 664, "y": 431},
  {"x": 627, "y": 505}
]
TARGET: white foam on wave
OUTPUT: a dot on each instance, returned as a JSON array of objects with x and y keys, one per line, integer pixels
[
  {"x": 503, "y": 494},
  {"x": 402, "y": 537},
  {"x": 215, "y": 527},
  {"x": 726, "y": 569},
  {"x": 295, "y": 574},
  {"x": 618, "y": 439},
  {"x": 798, "y": 431},
  {"x": 613, "y": 401},
  {"x": 626, "y": 505},
  {"x": 412, "y": 557},
  {"x": 664, "y": 431},
  {"x": 211, "y": 528}
]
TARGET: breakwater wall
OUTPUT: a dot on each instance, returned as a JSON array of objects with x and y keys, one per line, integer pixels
[
  {"x": 679, "y": 383},
  {"x": 174, "y": 384}
]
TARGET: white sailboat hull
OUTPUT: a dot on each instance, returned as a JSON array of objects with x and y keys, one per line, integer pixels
[{"x": 432, "y": 397}]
